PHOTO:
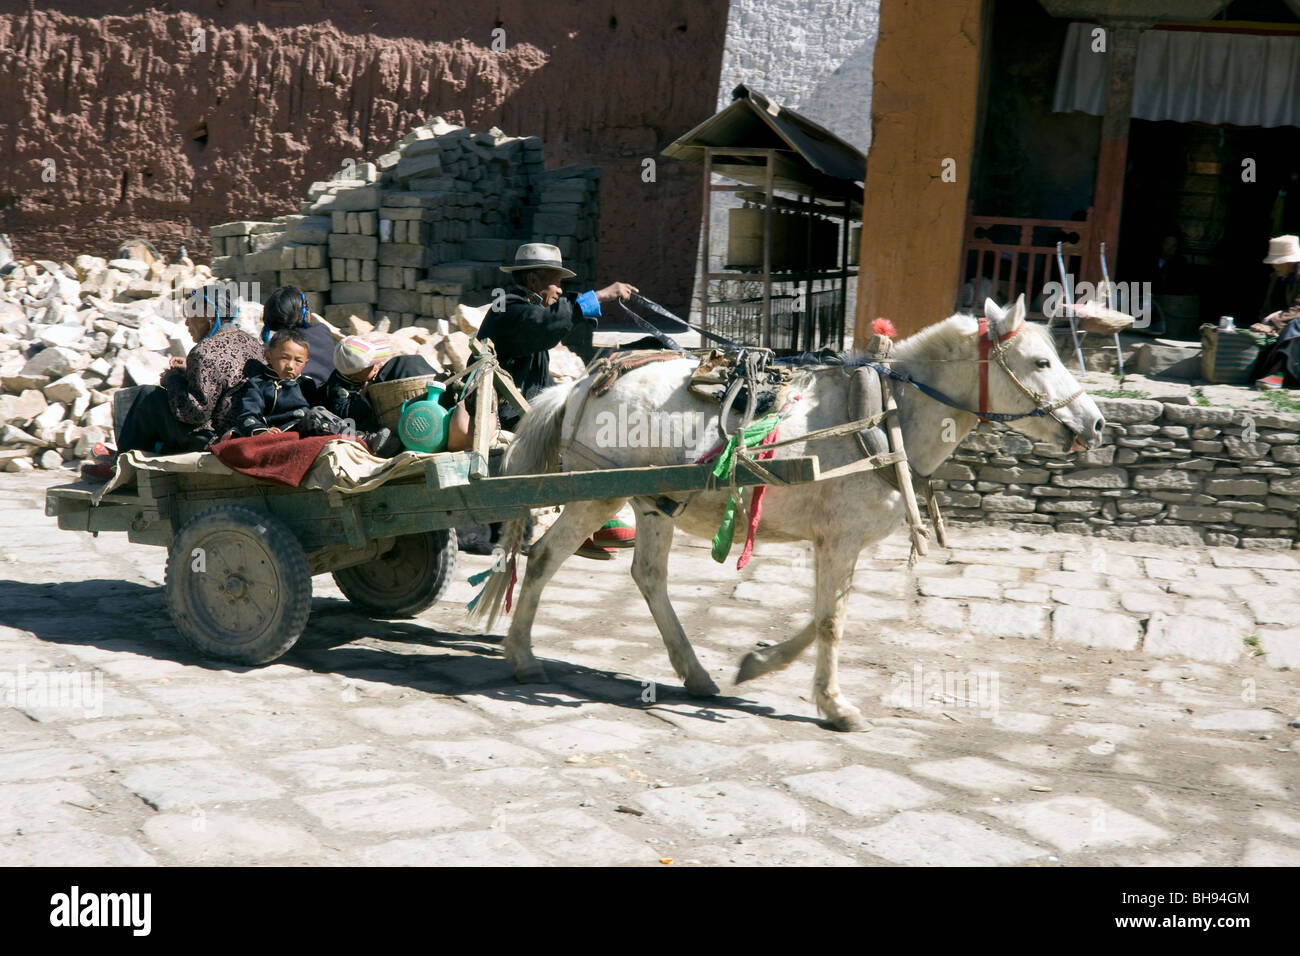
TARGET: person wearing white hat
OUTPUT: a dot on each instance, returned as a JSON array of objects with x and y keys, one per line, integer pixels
[
  {"x": 1282, "y": 359},
  {"x": 537, "y": 314}
]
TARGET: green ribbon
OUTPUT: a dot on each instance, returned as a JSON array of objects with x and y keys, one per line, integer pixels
[{"x": 725, "y": 467}]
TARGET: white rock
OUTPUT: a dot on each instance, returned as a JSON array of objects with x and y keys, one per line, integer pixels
[
  {"x": 49, "y": 460},
  {"x": 101, "y": 366},
  {"x": 56, "y": 361},
  {"x": 22, "y": 408},
  {"x": 134, "y": 267},
  {"x": 13, "y": 435},
  {"x": 98, "y": 416},
  {"x": 144, "y": 367},
  {"x": 46, "y": 420},
  {"x": 96, "y": 344},
  {"x": 117, "y": 376},
  {"x": 87, "y": 264},
  {"x": 66, "y": 389},
  {"x": 79, "y": 405},
  {"x": 20, "y": 464},
  {"x": 86, "y": 440},
  {"x": 154, "y": 339},
  {"x": 64, "y": 434}
]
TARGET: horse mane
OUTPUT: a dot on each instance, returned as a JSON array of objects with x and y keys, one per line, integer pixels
[{"x": 941, "y": 336}]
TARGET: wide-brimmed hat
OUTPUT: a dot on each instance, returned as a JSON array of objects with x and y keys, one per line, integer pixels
[
  {"x": 538, "y": 255},
  {"x": 356, "y": 353},
  {"x": 1283, "y": 249}
]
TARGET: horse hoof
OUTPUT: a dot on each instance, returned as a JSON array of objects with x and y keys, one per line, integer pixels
[
  {"x": 850, "y": 723},
  {"x": 531, "y": 675},
  {"x": 702, "y": 688},
  {"x": 750, "y": 667}
]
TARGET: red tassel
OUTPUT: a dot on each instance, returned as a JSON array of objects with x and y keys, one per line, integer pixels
[
  {"x": 884, "y": 327},
  {"x": 510, "y": 588},
  {"x": 755, "y": 504}
]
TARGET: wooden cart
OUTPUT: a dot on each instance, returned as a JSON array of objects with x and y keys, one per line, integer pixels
[{"x": 242, "y": 552}]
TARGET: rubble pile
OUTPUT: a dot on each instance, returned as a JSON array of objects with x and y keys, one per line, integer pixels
[
  {"x": 419, "y": 231},
  {"x": 410, "y": 244},
  {"x": 70, "y": 334}
]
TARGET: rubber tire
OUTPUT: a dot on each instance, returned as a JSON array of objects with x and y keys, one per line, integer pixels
[
  {"x": 431, "y": 556},
  {"x": 279, "y": 559}
]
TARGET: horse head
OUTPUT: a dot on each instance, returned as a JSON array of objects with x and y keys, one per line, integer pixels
[{"x": 1024, "y": 375}]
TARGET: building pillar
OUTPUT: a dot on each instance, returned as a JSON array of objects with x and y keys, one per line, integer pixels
[
  {"x": 1108, "y": 191},
  {"x": 923, "y": 107}
]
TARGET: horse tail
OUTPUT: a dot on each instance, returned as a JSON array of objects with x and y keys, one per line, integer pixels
[{"x": 534, "y": 451}]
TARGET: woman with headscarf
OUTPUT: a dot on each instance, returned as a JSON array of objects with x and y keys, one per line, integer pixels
[{"x": 194, "y": 403}]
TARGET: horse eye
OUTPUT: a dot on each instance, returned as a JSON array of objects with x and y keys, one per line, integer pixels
[{"x": 1044, "y": 363}]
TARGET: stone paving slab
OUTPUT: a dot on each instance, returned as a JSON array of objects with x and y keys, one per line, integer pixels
[{"x": 1036, "y": 700}]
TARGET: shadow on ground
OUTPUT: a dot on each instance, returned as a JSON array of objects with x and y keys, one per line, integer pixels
[{"x": 131, "y": 618}]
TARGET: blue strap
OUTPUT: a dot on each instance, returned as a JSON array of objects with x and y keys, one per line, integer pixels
[
  {"x": 589, "y": 304},
  {"x": 940, "y": 397}
]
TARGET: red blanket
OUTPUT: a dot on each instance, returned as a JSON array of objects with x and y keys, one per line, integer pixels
[{"x": 281, "y": 457}]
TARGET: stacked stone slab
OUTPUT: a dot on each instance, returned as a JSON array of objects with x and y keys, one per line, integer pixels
[
  {"x": 406, "y": 239},
  {"x": 1183, "y": 474}
]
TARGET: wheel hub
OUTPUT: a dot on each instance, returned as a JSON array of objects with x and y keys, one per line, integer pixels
[{"x": 235, "y": 586}]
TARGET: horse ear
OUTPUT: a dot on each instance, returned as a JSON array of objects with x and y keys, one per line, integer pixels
[
  {"x": 1018, "y": 313},
  {"x": 992, "y": 311}
]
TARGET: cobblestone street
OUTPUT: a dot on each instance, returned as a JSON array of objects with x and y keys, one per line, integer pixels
[{"x": 1037, "y": 700}]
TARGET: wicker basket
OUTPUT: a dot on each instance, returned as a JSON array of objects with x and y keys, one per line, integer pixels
[
  {"x": 1226, "y": 356},
  {"x": 386, "y": 398}
]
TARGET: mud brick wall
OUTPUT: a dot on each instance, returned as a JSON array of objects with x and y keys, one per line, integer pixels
[
  {"x": 1182, "y": 475},
  {"x": 153, "y": 135}
]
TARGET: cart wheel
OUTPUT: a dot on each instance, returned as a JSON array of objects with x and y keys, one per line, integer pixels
[
  {"x": 406, "y": 580},
  {"x": 238, "y": 586}
]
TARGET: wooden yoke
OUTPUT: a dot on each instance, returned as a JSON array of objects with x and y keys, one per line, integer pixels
[
  {"x": 492, "y": 379},
  {"x": 877, "y": 350}
]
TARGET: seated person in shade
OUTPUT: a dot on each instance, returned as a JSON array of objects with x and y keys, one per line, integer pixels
[
  {"x": 274, "y": 399},
  {"x": 286, "y": 308},
  {"x": 361, "y": 361},
  {"x": 1279, "y": 363}
]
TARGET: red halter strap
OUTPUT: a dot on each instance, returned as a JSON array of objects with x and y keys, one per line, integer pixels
[{"x": 986, "y": 345}]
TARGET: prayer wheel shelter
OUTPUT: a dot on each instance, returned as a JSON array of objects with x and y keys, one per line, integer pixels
[{"x": 788, "y": 192}]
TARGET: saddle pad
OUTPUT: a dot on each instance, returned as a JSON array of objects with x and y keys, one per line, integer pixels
[
  {"x": 716, "y": 370},
  {"x": 608, "y": 370}
]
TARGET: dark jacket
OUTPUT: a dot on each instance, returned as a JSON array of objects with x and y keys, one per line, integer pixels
[
  {"x": 269, "y": 401},
  {"x": 205, "y": 393},
  {"x": 320, "y": 357},
  {"x": 525, "y": 330}
]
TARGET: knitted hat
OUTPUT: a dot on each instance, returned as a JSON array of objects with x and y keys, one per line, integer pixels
[{"x": 357, "y": 353}]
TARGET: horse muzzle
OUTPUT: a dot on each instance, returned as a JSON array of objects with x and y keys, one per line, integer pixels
[{"x": 1087, "y": 439}]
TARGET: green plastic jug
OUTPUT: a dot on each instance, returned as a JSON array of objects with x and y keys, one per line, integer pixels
[{"x": 423, "y": 423}]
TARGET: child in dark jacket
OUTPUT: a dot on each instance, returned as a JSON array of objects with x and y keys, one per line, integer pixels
[{"x": 274, "y": 399}]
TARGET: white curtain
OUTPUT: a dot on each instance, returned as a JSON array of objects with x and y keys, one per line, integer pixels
[{"x": 1190, "y": 76}]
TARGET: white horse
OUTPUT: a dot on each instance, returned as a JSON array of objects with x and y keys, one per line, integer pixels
[{"x": 840, "y": 516}]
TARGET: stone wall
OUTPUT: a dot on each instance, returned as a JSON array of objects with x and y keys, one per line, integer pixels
[
  {"x": 420, "y": 230},
  {"x": 1183, "y": 474}
]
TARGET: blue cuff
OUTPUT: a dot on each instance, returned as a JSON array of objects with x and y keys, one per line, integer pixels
[{"x": 589, "y": 304}]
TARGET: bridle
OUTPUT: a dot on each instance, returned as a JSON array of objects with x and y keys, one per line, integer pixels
[{"x": 996, "y": 346}]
